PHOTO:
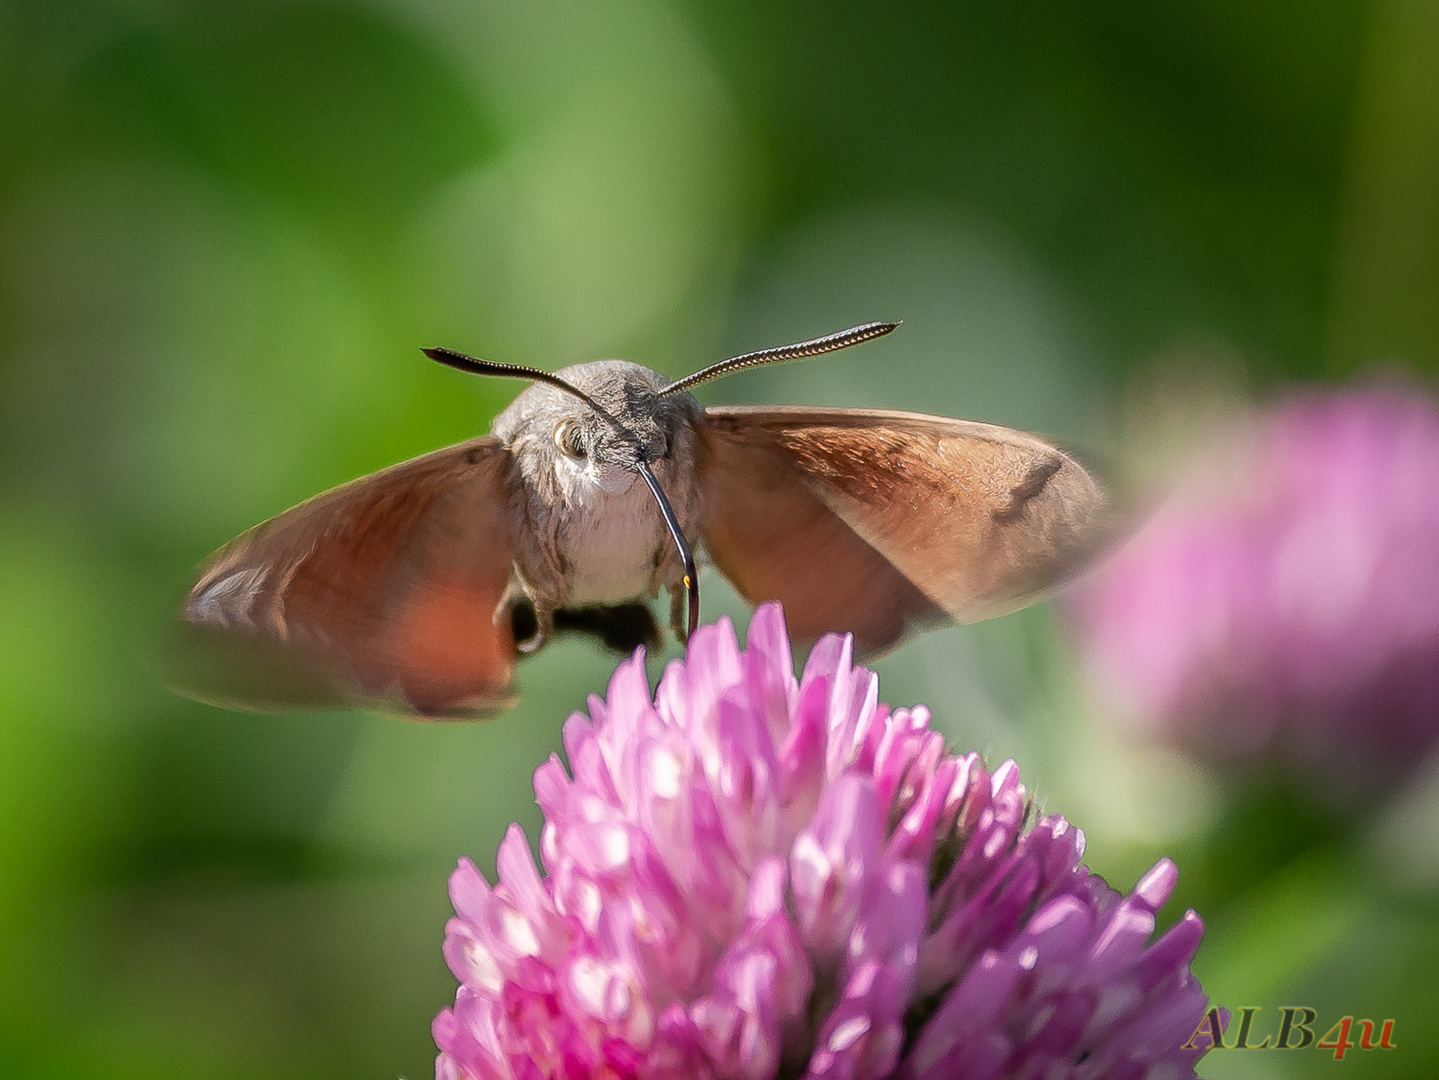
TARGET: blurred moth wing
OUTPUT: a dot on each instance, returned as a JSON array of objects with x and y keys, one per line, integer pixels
[
  {"x": 387, "y": 592},
  {"x": 883, "y": 522}
]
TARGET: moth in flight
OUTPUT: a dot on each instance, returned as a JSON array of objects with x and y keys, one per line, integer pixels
[{"x": 417, "y": 588}]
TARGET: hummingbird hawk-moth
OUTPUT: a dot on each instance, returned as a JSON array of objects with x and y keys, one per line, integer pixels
[{"x": 418, "y": 588}]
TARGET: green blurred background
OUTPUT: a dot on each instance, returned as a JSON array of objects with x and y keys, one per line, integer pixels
[{"x": 227, "y": 227}]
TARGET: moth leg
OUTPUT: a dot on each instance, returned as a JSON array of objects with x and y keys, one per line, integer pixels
[
  {"x": 531, "y": 623},
  {"x": 679, "y": 624}
]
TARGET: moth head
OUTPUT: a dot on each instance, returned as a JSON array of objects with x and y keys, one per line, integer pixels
[{"x": 597, "y": 433}]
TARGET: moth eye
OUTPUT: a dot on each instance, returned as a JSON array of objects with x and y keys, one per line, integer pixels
[{"x": 567, "y": 438}]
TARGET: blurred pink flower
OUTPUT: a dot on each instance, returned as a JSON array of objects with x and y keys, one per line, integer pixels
[
  {"x": 751, "y": 876},
  {"x": 1286, "y": 600}
]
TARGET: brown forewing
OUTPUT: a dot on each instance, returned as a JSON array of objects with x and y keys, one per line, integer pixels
[
  {"x": 385, "y": 590},
  {"x": 877, "y": 522},
  {"x": 773, "y": 536}
]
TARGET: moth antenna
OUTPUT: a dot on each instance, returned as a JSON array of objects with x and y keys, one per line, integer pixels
[
  {"x": 855, "y": 335},
  {"x": 475, "y": 366}
]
